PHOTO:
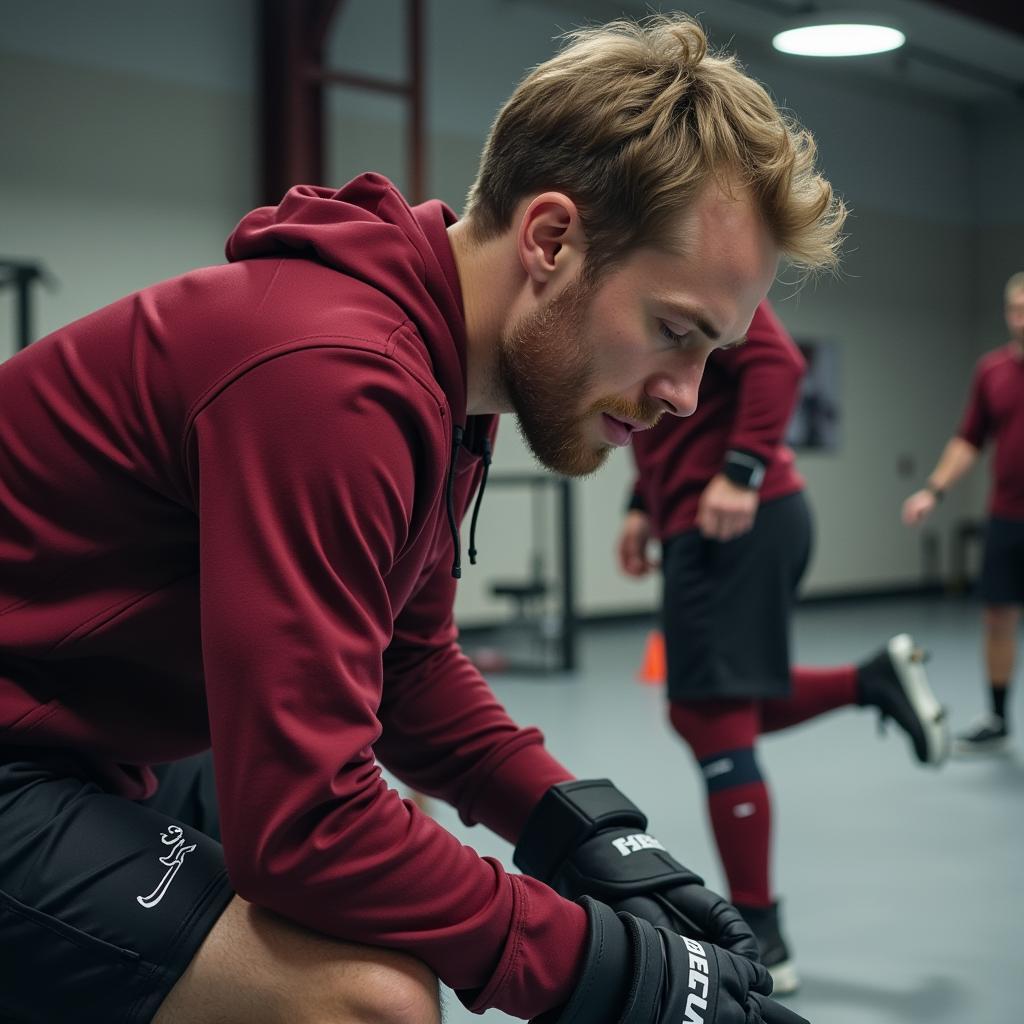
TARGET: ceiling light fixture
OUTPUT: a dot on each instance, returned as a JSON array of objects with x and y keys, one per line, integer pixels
[{"x": 848, "y": 39}]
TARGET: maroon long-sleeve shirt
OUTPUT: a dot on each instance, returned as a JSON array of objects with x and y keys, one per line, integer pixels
[
  {"x": 744, "y": 404},
  {"x": 996, "y": 409},
  {"x": 223, "y": 521}
]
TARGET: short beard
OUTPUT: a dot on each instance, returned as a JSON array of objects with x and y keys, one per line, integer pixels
[{"x": 543, "y": 369}]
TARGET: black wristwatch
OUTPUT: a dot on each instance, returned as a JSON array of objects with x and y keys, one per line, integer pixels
[
  {"x": 938, "y": 493},
  {"x": 743, "y": 469}
]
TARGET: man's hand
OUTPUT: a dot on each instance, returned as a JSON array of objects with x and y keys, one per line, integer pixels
[
  {"x": 634, "y": 540},
  {"x": 918, "y": 507},
  {"x": 726, "y": 510},
  {"x": 635, "y": 973}
]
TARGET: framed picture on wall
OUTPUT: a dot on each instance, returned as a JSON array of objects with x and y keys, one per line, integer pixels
[{"x": 815, "y": 425}]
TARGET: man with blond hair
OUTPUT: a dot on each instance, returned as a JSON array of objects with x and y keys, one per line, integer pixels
[
  {"x": 231, "y": 521},
  {"x": 995, "y": 409}
]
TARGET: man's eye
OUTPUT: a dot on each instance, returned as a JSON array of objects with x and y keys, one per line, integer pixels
[{"x": 670, "y": 335}]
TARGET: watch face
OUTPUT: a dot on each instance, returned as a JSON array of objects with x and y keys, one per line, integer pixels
[{"x": 744, "y": 470}]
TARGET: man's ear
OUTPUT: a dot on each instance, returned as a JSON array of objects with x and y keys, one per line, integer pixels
[{"x": 550, "y": 240}]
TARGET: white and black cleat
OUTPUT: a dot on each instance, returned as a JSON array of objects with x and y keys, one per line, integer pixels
[
  {"x": 772, "y": 947},
  {"x": 895, "y": 682},
  {"x": 914, "y": 707}
]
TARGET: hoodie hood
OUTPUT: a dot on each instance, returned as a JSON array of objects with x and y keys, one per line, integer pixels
[{"x": 367, "y": 230}]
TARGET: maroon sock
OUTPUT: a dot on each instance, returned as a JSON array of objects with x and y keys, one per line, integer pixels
[
  {"x": 722, "y": 734},
  {"x": 814, "y": 691},
  {"x": 741, "y": 817}
]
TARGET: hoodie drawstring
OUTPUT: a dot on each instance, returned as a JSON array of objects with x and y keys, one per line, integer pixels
[
  {"x": 452, "y": 524},
  {"x": 479, "y": 499}
]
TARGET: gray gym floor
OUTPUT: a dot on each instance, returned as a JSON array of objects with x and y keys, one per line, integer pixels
[{"x": 903, "y": 897}]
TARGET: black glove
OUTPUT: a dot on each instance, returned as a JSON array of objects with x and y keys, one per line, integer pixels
[
  {"x": 587, "y": 839},
  {"x": 635, "y": 973}
]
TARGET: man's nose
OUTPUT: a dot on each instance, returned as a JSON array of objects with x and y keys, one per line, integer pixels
[{"x": 675, "y": 390}]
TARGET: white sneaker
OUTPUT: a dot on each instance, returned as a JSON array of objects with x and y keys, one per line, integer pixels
[
  {"x": 773, "y": 948},
  {"x": 785, "y": 980},
  {"x": 986, "y": 735}
]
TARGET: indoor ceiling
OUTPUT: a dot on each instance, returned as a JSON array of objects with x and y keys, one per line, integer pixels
[{"x": 974, "y": 58}]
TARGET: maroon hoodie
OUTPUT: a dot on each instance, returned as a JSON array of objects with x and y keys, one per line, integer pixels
[
  {"x": 224, "y": 520},
  {"x": 745, "y": 402}
]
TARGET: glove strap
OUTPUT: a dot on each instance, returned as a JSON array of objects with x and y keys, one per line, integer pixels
[
  {"x": 567, "y": 815},
  {"x": 607, "y": 976}
]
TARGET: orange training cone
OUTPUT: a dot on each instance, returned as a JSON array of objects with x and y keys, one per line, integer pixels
[{"x": 652, "y": 671}]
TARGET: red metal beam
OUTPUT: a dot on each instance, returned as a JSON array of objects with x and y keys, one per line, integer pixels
[
  {"x": 293, "y": 35},
  {"x": 417, "y": 111},
  {"x": 355, "y": 81}
]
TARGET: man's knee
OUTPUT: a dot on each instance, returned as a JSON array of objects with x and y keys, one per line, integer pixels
[{"x": 259, "y": 968}]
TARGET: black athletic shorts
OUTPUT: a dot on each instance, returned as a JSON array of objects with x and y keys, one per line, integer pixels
[
  {"x": 726, "y": 605},
  {"x": 103, "y": 902},
  {"x": 1002, "y": 568}
]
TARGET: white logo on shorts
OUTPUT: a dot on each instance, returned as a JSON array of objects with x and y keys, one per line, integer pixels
[{"x": 172, "y": 837}]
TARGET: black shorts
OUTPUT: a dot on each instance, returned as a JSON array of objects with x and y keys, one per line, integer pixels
[
  {"x": 726, "y": 606},
  {"x": 1002, "y": 569},
  {"x": 103, "y": 902}
]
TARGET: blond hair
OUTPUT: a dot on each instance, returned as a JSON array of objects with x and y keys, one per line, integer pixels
[
  {"x": 630, "y": 121},
  {"x": 1015, "y": 284}
]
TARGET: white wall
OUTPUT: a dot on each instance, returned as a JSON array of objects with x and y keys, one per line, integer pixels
[
  {"x": 128, "y": 145},
  {"x": 134, "y": 155},
  {"x": 997, "y": 141}
]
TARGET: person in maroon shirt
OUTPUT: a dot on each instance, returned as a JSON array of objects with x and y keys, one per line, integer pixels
[
  {"x": 721, "y": 492},
  {"x": 229, "y": 520},
  {"x": 995, "y": 409}
]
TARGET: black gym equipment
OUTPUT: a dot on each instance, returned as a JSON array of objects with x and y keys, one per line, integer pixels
[
  {"x": 20, "y": 276},
  {"x": 544, "y": 599}
]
